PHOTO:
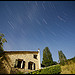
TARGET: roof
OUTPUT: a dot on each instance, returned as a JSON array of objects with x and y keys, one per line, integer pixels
[{"x": 20, "y": 52}]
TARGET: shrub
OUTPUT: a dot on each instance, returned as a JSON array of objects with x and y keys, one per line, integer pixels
[
  {"x": 62, "y": 63},
  {"x": 56, "y": 69},
  {"x": 55, "y": 63},
  {"x": 19, "y": 72}
]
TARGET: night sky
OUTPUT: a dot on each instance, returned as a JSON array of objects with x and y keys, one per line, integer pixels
[{"x": 29, "y": 25}]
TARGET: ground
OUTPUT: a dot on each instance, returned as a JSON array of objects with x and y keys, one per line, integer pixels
[{"x": 68, "y": 69}]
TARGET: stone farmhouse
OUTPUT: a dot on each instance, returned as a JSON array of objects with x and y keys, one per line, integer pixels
[{"x": 25, "y": 60}]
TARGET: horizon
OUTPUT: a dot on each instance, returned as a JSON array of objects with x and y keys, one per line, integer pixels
[{"x": 29, "y": 25}]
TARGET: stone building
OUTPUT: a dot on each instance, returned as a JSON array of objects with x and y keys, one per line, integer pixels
[{"x": 26, "y": 60}]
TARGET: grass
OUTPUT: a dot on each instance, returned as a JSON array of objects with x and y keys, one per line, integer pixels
[
  {"x": 68, "y": 69},
  {"x": 55, "y": 69}
]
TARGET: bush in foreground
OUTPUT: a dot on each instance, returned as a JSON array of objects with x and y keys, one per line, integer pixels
[{"x": 56, "y": 69}]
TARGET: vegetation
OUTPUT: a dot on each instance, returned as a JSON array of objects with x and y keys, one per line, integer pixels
[
  {"x": 72, "y": 59},
  {"x": 47, "y": 57},
  {"x": 55, "y": 63},
  {"x": 69, "y": 61},
  {"x": 3, "y": 70},
  {"x": 68, "y": 68},
  {"x": 56, "y": 69},
  {"x": 2, "y": 55},
  {"x": 62, "y": 57},
  {"x": 2, "y": 40},
  {"x": 18, "y": 72}
]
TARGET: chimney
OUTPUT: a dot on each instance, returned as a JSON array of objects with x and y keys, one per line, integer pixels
[{"x": 39, "y": 58}]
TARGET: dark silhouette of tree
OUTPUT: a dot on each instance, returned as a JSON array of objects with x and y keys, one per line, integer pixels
[
  {"x": 55, "y": 63},
  {"x": 62, "y": 57},
  {"x": 47, "y": 57}
]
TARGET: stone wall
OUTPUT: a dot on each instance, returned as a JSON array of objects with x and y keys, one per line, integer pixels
[{"x": 26, "y": 57}]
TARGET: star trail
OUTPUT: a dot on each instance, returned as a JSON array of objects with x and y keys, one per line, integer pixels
[{"x": 29, "y": 25}]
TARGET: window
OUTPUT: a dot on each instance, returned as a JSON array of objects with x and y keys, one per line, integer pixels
[
  {"x": 35, "y": 56},
  {"x": 19, "y": 63},
  {"x": 31, "y": 65}
]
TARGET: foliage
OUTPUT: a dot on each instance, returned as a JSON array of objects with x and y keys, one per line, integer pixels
[
  {"x": 62, "y": 63},
  {"x": 55, "y": 63},
  {"x": 47, "y": 57},
  {"x": 56, "y": 69},
  {"x": 70, "y": 61},
  {"x": 62, "y": 57},
  {"x": 2, "y": 40},
  {"x": 19, "y": 72}
]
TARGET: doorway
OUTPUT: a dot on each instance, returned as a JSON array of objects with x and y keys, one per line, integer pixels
[{"x": 31, "y": 65}]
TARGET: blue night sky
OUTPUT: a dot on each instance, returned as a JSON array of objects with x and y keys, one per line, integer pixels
[{"x": 29, "y": 25}]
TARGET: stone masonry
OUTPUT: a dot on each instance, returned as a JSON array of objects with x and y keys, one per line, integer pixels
[{"x": 27, "y": 56}]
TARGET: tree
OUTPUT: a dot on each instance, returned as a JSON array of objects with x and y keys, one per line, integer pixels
[
  {"x": 62, "y": 57},
  {"x": 47, "y": 57},
  {"x": 55, "y": 63},
  {"x": 2, "y": 40}
]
